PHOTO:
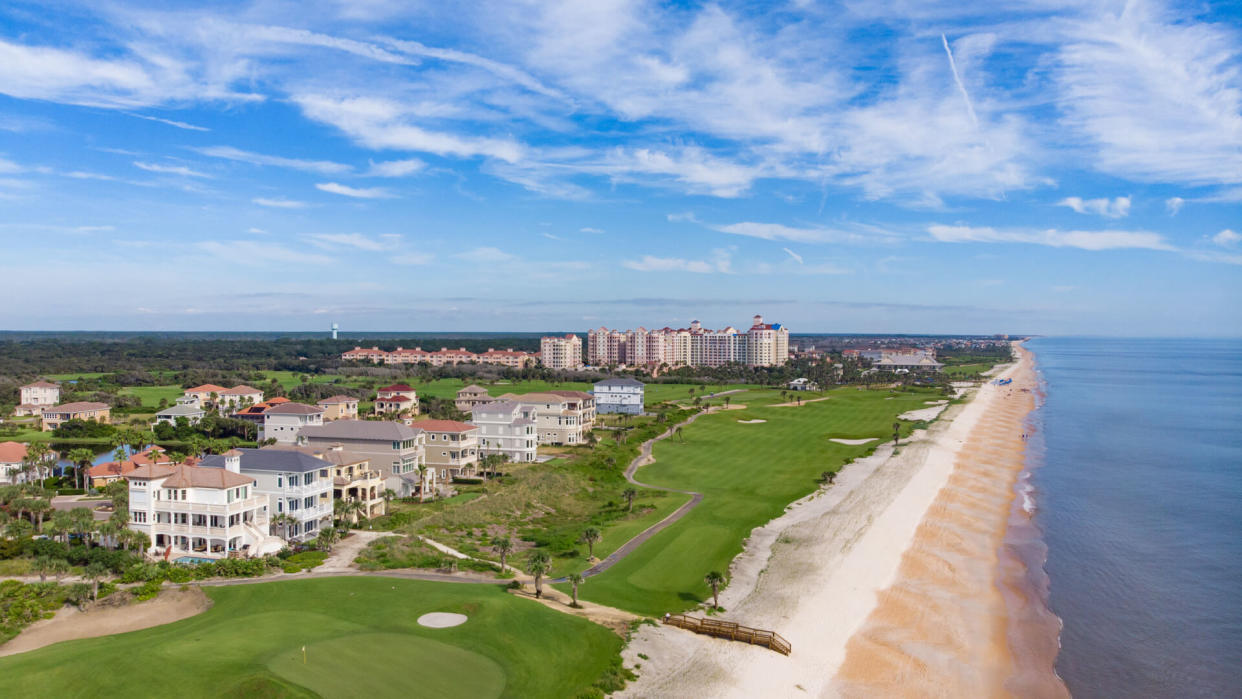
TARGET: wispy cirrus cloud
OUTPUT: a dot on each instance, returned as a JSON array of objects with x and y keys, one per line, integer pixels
[
  {"x": 322, "y": 167},
  {"x": 354, "y": 192},
  {"x": 1118, "y": 207},
  {"x": 249, "y": 252},
  {"x": 1083, "y": 240},
  {"x": 395, "y": 168},
  {"x": 162, "y": 169},
  {"x": 170, "y": 122},
  {"x": 279, "y": 203},
  {"x": 719, "y": 262},
  {"x": 357, "y": 241}
]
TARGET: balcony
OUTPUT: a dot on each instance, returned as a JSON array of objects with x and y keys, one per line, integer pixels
[{"x": 205, "y": 508}]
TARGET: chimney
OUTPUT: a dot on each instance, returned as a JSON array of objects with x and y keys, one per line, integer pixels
[{"x": 232, "y": 461}]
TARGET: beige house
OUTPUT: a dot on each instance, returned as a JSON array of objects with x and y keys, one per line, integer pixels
[
  {"x": 353, "y": 478},
  {"x": 339, "y": 408},
  {"x": 396, "y": 451},
  {"x": 86, "y": 410},
  {"x": 37, "y": 396},
  {"x": 471, "y": 396},
  {"x": 452, "y": 447},
  {"x": 506, "y": 429},
  {"x": 561, "y": 417},
  {"x": 239, "y": 396},
  {"x": 397, "y": 399},
  {"x": 205, "y": 393}
]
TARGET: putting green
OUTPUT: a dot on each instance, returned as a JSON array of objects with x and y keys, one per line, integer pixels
[{"x": 364, "y": 665}]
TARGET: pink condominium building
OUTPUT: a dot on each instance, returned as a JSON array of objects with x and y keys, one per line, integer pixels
[{"x": 764, "y": 344}]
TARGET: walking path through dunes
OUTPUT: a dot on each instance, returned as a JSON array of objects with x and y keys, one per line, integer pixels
[
  {"x": 813, "y": 575},
  {"x": 940, "y": 627},
  {"x": 747, "y": 474}
]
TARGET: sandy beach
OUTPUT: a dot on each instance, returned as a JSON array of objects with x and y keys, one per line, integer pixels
[{"x": 884, "y": 583}]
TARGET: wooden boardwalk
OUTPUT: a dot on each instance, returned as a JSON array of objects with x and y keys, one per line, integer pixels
[{"x": 732, "y": 631}]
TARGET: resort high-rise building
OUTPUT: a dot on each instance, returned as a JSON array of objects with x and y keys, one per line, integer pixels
[
  {"x": 558, "y": 352},
  {"x": 764, "y": 344}
]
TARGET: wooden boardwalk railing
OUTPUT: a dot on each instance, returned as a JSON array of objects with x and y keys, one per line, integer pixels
[{"x": 732, "y": 631}]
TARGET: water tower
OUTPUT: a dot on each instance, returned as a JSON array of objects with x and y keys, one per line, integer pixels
[{"x": 335, "y": 327}]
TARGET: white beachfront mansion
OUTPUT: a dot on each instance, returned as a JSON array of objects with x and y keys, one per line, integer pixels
[{"x": 200, "y": 512}]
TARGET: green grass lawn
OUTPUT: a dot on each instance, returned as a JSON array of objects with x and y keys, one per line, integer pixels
[
  {"x": 80, "y": 375},
  {"x": 965, "y": 369},
  {"x": 361, "y": 638},
  {"x": 748, "y": 473},
  {"x": 151, "y": 395}
]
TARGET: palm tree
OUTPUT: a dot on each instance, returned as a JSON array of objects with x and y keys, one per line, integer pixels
[
  {"x": 60, "y": 525},
  {"x": 42, "y": 566},
  {"x": 629, "y": 495},
  {"x": 327, "y": 537},
  {"x": 680, "y": 436},
  {"x": 714, "y": 580},
  {"x": 39, "y": 508},
  {"x": 896, "y": 433},
  {"x": 502, "y": 545},
  {"x": 18, "y": 529},
  {"x": 83, "y": 458},
  {"x": 726, "y": 401},
  {"x": 575, "y": 579},
  {"x": 283, "y": 521},
  {"x": 36, "y": 457},
  {"x": 389, "y": 495},
  {"x": 95, "y": 572},
  {"x": 82, "y": 523},
  {"x": 590, "y": 537},
  {"x": 538, "y": 564}
]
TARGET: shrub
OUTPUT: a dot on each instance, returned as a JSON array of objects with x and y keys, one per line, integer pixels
[{"x": 148, "y": 590}]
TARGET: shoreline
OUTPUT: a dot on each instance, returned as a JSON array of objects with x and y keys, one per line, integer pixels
[
  {"x": 816, "y": 574},
  {"x": 965, "y": 615}
]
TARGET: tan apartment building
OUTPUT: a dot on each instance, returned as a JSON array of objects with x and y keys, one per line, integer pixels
[
  {"x": 452, "y": 447},
  {"x": 557, "y": 352},
  {"x": 561, "y": 417},
  {"x": 37, "y": 396},
  {"x": 339, "y": 408},
  {"x": 85, "y": 410},
  {"x": 471, "y": 396}
]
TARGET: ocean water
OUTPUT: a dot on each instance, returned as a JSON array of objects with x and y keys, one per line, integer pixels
[{"x": 1139, "y": 498}]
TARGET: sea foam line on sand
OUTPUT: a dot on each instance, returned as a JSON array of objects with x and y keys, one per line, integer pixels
[{"x": 815, "y": 574}]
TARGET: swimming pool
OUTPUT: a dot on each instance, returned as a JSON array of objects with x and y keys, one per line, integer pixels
[{"x": 193, "y": 560}]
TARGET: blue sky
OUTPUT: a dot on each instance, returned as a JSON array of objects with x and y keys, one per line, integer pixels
[{"x": 1046, "y": 167}]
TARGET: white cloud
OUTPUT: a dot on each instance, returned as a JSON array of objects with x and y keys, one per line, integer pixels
[
  {"x": 352, "y": 240},
  {"x": 414, "y": 258},
  {"x": 1110, "y": 208},
  {"x": 8, "y": 167},
  {"x": 1084, "y": 240},
  {"x": 588, "y": 229},
  {"x": 280, "y": 203},
  {"x": 322, "y": 167},
  {"x": 1174, "y": 205},
  {"x": 777, "y": 231},
  {"x": 355, "y": 192},
  {"x": 253, "y": 253},
  {"x": 1156, "y": 95},
  {"x": 169, "y": 169},
  {"x": 381, "y": 124},
  {"x": 794, "y": 255},
  {"x": 1227, "y": 238},
  {"x": 170, "y": 122},
  {"x": 719, "y": 262},
  {"x": 258, "y": 231},
  {"x": 396, "y": 168},
  {"x": 487, "y": 254}
]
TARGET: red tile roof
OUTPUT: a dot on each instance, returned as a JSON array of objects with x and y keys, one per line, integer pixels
[
  {"x": 242, "y": 390},
  {"x": 394, "y": 399},
  {"x": 12, "y": 452},
  {"x": 41, "y": 384},
  {"x": 79, "y": 407},
  {"x": 295, "y": 409},
  {"x": 333, "y": 400},
  {"x": 396, "y": 387},
  {"x": 183, "y": 476},
  {"x": 205, "y": 388}
]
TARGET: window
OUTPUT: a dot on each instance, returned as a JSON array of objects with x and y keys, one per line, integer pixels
[
  {"x": 293, "y": 504},
  {"x": 309, "y": 503},
  {"x": 293, "y": 480},
  {"x": 139, "y": 517},
  {"x": 308, "y": 478},
  {"x": 280, "y": 480}
]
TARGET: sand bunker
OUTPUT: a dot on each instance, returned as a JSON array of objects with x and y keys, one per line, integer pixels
[
  {"x": 751, "y": 422},
  {"x": 441, "y": 620},
  {"x": 935, "y": 402},
  {"x": 924, "y": 414},
  {"x": 852, "y": 442},
  {"x": 70, "y": 624}
]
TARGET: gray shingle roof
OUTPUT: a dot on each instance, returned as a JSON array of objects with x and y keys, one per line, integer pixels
[
  {"x": 181, "y": 410},
  {"x": 620, "y": 382},
  {"x": 271, "y": 460},
  {"x": 360, "y": 429}
]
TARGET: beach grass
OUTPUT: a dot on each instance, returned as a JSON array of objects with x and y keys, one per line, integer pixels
[
  {"x": 748, "y": 474},
  {"x": 361, "y": 638}
]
